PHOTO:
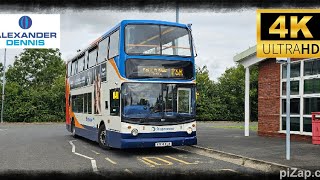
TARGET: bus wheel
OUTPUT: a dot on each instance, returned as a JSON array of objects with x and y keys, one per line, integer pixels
[
  {"x": 102, "y": 137},
  {"x": 73, "y": 129}
]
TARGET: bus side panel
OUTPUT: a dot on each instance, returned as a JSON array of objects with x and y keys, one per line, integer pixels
[
  {"x": 86, "y": 124},
  {"x": 88, "y": 133},
  {"x": 112, "y": 122}
]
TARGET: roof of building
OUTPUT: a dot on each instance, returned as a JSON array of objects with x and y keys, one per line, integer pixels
[{"x": 243, "y": 55}]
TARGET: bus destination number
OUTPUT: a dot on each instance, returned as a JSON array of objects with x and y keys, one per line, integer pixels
[{"x": 161, "y": 72}]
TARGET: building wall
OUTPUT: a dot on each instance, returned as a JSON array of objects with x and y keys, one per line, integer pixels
[
  {"x": 268, "y": 97},
  {"x": 269, "y": 101}
]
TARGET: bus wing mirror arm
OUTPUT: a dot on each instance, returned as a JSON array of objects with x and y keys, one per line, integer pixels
[
  {"x": 194, "y": 47},
  {"x": 192, "y": 40}
]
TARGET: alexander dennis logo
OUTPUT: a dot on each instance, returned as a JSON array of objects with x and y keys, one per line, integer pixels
[
  {"x": 30, "y": 31},
  {"x": 25, "y": 22}
]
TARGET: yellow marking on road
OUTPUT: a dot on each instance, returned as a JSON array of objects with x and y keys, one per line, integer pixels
[
  {"x": 149, "y": 161},
  {"x": 145, "y": 162},
  {"x": 181, "y": 161},
  {"x": 112, "y": 162},
  {"x": 95, "y": 152}
]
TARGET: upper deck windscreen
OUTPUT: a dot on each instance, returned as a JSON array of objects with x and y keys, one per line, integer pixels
[{"x": 157, "y": 40}]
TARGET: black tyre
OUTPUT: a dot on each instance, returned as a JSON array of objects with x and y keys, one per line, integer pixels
[
  {"x": 73, "y": 129},
  {"x": 102, "y": 137}
]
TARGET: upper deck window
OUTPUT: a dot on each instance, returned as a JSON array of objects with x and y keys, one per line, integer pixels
[
  {"x": 157, "y": 40},
  {"x": 103, "y": 50},
  {"x": 114, "y": 45}
]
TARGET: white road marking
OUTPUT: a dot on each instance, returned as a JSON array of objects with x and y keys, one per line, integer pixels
[
  {"x": 128, "y": 171},
  {"x": 93, "y": 161},
  {"x": 3, "y": 129},
  {"x": 229, "y": 170},
  {"x": 95, "y": 152},
  {"x": 108, "y": 159}
]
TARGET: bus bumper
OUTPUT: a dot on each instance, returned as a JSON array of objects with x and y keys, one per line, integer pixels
[{"x": 150, "y": 142}]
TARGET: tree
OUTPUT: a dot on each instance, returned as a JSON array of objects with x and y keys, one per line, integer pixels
[
  {"x": 208, "y": 104},
  {"x": 35, "y": 87},
  {"x": 231, "y": 88},
  {"x": 224, "y": 99}
]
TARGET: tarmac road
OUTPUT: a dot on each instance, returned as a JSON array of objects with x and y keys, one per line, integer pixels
[{"x": 51, "y": 148}]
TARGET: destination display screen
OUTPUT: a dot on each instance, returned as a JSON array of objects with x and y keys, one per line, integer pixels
[
  {"x": 155, "y": 71},
  {"x": 137, "y": 68}
]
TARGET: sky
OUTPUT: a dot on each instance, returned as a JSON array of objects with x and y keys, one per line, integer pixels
[{"x": 218, "y": 35}]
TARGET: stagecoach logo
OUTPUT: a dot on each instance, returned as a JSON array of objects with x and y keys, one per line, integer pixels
[
  {"x": 89, "y": 119},
  {"x": 162, "y": 128},
  {"x": 30, "y": 31}
]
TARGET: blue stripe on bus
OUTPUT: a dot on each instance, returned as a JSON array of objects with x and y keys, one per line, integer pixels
[
  {"x": 122, "y": 140},
  {"x": 150, "y": 142},
  {"x": 92, "y": 135}
]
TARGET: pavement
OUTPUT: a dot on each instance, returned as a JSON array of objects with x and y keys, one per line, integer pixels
[
  {"x": 304, "y": 155},
  {"x": 29, "y": 150}
]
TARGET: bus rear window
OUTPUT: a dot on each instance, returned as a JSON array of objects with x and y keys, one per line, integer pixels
[{"x": 138, "y": 68}]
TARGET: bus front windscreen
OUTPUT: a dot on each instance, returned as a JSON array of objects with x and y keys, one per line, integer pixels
[
  {"x": 157, "y": 40},
  {"x": 149, "y": 103}
]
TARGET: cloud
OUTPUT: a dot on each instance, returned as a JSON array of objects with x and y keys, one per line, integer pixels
[{"x": 218, "y": 35}]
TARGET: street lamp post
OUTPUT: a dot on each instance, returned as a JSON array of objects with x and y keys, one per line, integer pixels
[
  {"x": 288, "y": 111},
  {"x": 287, "y": 61},
  {"x": 177, "y": 12}
]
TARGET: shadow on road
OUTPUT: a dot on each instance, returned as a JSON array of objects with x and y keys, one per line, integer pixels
[{"x": 135, "y": 151}]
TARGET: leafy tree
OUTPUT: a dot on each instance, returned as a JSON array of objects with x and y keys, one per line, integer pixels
[
  {"x": 208, "y": 103},
  {"x": 224, "y": 99},
  {"x": 35, "y": 87}
]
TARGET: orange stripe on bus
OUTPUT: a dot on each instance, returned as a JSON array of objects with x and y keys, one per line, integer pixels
[
  {"x": 76, "y": 122},
  {"x": 115, "y": 68}
]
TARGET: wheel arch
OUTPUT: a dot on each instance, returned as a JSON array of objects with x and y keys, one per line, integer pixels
[{"x": 101, "y": 122}]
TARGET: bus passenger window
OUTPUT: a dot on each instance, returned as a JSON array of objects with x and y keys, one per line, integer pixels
[
  {"x": 69, "y": 69},
  {"x": 85, "y": 103},
  {"x": 80, "y": 63},
  {"x": 86, "y": 60},
  {"x": 114, "y": 44},
  {"x": 115, "y": 102},
  {"x": 92, "y": 57},
  {"x": 103, "y": 50},
  {"x": 89, "y": 103}
]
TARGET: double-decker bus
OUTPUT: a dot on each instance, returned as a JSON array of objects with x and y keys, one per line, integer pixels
[{"x": 134, "y": 87}]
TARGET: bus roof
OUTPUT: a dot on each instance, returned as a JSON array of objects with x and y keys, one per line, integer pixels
[{"x": 124, "y": 23}]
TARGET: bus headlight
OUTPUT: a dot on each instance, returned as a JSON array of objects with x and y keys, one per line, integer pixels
[
  {"x": 134, "y": 132},
  {"x": 189, "y": 130}
]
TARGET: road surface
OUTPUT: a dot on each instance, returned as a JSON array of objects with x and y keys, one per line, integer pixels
[{"x": 50, "y": 148}]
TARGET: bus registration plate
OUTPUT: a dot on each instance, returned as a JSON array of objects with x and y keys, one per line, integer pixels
[{"x": 163, "y": 144}]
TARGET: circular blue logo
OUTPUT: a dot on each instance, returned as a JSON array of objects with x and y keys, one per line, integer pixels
[{"x": 25, "y": 22}]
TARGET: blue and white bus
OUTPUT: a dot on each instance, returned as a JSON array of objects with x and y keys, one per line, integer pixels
[{"x": 134, "y": 87}]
